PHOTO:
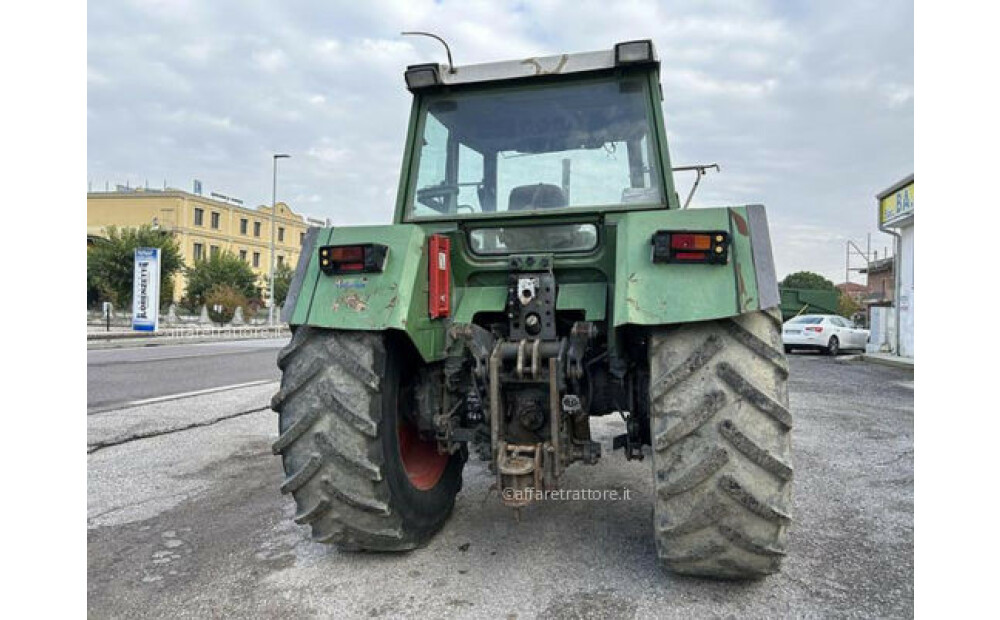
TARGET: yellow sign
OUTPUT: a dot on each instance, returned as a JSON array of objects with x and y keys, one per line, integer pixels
[{"x": 896, "y": 205}]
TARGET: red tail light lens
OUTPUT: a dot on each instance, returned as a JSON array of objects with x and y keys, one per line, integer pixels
[
  {"x": 360, "y": 258},
  {"x": 814, "y": 328},
  {"x": 348, "y": 253}
]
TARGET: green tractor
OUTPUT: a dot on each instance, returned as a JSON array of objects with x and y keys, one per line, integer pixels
[{"x": 540, "y": 271}]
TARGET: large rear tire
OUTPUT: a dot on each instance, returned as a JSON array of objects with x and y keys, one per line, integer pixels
[
  {"x": 344, "y": 441},
  {"x": 720, "y": 429}
]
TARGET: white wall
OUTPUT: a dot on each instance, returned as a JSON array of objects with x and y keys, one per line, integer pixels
[
  {"x": 882, "y": 328},
  {"x": 906, "y": 293}
]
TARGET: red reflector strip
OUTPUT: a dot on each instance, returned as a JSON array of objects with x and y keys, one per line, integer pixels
[
  {"x": 690, "y": 256},
  {"x": 351, "y": 266},
  {"x": 439, "y": 276}
]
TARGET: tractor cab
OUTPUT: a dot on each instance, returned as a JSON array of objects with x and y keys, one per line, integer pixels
[{"x": 557, "y": 134}]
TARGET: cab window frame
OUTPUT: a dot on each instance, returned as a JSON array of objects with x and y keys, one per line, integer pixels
[{"x": 658, "y": 165}]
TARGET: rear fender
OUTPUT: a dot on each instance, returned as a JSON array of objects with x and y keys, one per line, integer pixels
[
  {"x": 395, "y": 299},
  {"x": 659, "y": 294}
]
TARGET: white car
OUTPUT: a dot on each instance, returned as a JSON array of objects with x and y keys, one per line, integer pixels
[{"x": 823, "y": 332}]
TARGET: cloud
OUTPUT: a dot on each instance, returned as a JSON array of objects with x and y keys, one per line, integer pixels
[
  {"x": 270, "y": 61},
  {"x": 808, "y": 107}
]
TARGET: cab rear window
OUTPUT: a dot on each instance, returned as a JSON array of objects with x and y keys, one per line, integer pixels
[{"x": 521, "y": 239}]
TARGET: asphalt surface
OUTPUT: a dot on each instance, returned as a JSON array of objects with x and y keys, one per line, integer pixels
[
  {"x": 124, "y": 375},
  {"x": 190, "y": 523}
]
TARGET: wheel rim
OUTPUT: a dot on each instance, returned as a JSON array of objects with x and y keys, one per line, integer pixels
[
  {"x": 834, "y": 345},
  {"x": 421, "y": 461}
]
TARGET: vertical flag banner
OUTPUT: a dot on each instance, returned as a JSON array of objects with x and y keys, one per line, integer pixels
[{"x": 146, "y": 290}]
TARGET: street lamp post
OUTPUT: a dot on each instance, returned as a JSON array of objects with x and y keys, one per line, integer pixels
[{"x": 274, "y": 209}]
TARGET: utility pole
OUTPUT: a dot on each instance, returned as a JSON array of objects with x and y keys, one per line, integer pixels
[{"x": 274, "y": 209}]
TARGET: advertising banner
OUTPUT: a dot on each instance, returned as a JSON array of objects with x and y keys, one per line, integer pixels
[
  {"x": 146, "y": 290},
  {"x": 896, "y": 206}
]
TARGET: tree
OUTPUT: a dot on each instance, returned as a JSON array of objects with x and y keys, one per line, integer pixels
[
  {"x": 807, "y": 280},
  {"x": 847, "y": 307},
  {"x": 93, "y": 288},
  {"x": 222, "y": 268},
  {"x": 282, "y": 280},
  {"x": 111, "y": 262}
]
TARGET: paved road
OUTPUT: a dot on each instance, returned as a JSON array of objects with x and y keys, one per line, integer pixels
[
  {"x": 119, "y": 376},
  {"x": 189, "y": 523}
]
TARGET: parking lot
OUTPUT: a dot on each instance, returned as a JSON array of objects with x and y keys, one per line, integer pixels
[{"x": 185, "y": 520}]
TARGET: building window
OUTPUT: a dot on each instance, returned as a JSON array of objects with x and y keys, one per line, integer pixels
[
  {"x": 215, "y": 220},
  {"x": 213, "y": 251},
  {"x": 243, "y": 226},
  {"x": 302, "y": 238},
  {"x": 256, "y": 229},
  {"x": 256, "y": 259},
  {"x": 243, "y": 255},
  {"x": 281, "y": 234},
  {"x": 199, "y": 217},
  {"x": 199, "y": 251},
  {"x": 281, "y": 260}
]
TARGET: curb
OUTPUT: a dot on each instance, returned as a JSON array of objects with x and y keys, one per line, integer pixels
[
  {"x": 904, "y": 363},
  {"x": 250, "y": 331},
  {"x": 168, "y": 338},
  {"x": 849, "y": 359}
]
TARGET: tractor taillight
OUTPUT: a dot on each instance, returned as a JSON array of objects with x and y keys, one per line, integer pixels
[
  {"x": 360, "y": 258},
  {"x": 439, "y": 276},
  {"x": 684, "y": 246}
]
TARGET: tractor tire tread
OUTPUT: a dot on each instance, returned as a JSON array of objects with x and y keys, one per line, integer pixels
[
  {"x": 330, "y": 386},
  {"x": 722, "y": 466}
]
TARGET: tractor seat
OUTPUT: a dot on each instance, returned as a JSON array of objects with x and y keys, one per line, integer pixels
[{"x": 540, "y": 196}]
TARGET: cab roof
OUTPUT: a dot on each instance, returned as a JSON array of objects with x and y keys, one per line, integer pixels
[{"x": 628, "y": 53}]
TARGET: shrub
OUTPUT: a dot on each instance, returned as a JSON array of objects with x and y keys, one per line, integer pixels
[{"x": 222, "y": 301}]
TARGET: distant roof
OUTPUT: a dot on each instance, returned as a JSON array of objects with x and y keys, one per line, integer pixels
[
  {"x": 898, "y": 185},
  {"x": 852, "y": 287},
  {"x": 171, "y": 192}
]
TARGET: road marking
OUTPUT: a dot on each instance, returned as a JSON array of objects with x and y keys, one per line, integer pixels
[
  {"x": 160, "y": 399},
  {"x": 223, "y": 388}
]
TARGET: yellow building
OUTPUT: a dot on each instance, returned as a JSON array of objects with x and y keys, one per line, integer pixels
[{"x": 203, "y": 226}]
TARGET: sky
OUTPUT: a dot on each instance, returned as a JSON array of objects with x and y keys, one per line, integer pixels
[{"x": 806, "y": 106}]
